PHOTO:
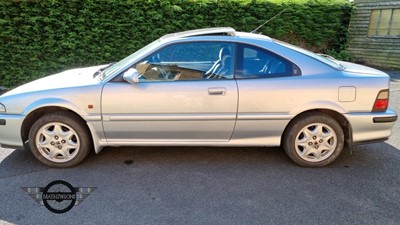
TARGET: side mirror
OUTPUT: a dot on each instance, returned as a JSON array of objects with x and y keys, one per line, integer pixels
[{"x": 131, "y": 76}]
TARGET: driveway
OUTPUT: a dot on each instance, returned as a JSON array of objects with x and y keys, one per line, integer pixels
[{"x": 199, "y": 185}]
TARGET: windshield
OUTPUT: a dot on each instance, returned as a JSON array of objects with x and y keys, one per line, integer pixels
[
  {"x": 126, "y": 61},
  {"x": 331, "y": 62}
]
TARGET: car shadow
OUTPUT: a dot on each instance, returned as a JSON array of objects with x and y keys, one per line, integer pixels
[
  {"x": 370, "y": 155},
  {"x": 358, "y": 155}
]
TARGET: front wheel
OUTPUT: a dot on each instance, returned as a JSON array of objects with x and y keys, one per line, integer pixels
[
  {"x": 313, "y": 140},
  {"x": 60, "y": 140}
]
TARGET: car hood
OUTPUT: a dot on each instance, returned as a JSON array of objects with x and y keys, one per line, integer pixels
[
  {"x": 360, "y": 69},
  {"x": 69, "y": 78}
]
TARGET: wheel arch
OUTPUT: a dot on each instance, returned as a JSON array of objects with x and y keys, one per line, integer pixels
[
  {"x": 35, "y": 114},
  {"x": 343, "y": 122}
]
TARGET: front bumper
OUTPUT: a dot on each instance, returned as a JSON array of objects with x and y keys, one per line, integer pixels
[
  {"x": 371, "y": 126},
  {"x": 10, "y": 130}
]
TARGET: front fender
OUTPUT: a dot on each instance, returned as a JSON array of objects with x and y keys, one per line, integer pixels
[
  {"x": 54, "y": 102},
  {"x": 91, "y": 120}
]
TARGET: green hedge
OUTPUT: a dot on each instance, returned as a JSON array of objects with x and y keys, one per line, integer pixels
[{"x": 40, "y": 37}]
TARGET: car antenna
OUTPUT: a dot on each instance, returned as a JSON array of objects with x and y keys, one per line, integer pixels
[{"x": 267, "y": 21}]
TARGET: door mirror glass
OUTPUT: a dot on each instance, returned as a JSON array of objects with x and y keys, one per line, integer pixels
[{"x": 131, "y": 76}]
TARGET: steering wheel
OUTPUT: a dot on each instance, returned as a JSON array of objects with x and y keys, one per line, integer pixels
[{"x": 163, "y": 72}]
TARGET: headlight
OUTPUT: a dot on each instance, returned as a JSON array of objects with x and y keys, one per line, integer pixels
[{"x": 2, "y": 108}]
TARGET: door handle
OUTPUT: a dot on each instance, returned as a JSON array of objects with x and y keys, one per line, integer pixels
[{"x": 216, "y": 91}]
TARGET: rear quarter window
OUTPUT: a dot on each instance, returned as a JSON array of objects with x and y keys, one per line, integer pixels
[{"x": 255, "y": 62}]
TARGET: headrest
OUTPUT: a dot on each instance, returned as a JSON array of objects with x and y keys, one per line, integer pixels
[{"x": 223, "y": 52}]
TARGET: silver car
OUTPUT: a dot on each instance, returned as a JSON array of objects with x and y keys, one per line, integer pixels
[{"x": 208, "y": 87}]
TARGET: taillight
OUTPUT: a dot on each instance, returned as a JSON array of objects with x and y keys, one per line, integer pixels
[{"x": 382, "y": 101}]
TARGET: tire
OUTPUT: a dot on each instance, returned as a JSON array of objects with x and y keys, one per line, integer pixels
[
  {"x": 313, "y": 140},
  {"x": 60, "y": 140}
]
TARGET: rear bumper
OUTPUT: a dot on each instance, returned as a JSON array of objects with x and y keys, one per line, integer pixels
[
  {"x": 10, "y": 130},
  {"x": 369, "y": 127}
]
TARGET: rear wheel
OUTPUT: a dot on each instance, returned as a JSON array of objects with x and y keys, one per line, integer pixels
[
  {"x": 313, "y": 140},
  {"x": 60, "y": 140}
]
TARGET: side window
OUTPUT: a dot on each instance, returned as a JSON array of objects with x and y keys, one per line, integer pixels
[
  {"x": 254, "y": 62},
  {"x": 189, "y": 61}
]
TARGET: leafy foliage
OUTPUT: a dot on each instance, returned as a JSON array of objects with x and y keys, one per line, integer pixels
[
  {"x": 40, "y": 37},
  {"x": 342, "y": 55}
]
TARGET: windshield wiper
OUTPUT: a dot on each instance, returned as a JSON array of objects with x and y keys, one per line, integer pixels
[{"x": 102, "y": 69}]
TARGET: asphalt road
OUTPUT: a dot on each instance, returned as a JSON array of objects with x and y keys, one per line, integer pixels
[{"x": 196, "y": 185}]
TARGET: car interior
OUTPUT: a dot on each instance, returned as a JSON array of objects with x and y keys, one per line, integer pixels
[{"x": 175, "y": 63}]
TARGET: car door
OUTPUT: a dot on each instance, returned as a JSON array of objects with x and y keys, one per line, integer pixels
[
  {"x": 268, "y": 87},
  {"x": 186, "y": 92}
]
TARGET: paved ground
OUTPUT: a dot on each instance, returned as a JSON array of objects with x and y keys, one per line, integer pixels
[{"x": 214, "y": 186}]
